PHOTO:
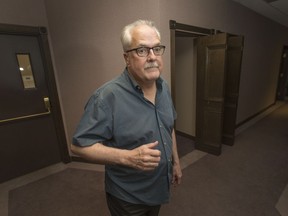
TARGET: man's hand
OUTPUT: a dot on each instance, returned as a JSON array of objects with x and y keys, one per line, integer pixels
[
  {"x": 177, "y": 174},
  {"x": 146, "y": 157}
]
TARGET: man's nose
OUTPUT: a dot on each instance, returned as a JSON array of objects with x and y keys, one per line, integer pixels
[{"x": 151, "y": 54}]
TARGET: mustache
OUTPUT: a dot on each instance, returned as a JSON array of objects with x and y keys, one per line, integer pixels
[{"x": 151, "y": 65}]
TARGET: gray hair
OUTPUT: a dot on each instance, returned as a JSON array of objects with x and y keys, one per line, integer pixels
[{"x": 126, "y": 37}]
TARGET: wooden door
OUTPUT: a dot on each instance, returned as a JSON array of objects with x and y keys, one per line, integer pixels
[
  {"x": 31, "y": 137},
  {"x": 234, "y": 60},
  {"x": 211, "y": 73}
]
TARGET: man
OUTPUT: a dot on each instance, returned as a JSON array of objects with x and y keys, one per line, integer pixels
[{"x": 128, "y": 126}]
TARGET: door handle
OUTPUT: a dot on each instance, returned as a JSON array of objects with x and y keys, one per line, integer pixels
[
  {"x": 47, "y": 103},
  {"x": 47, "y": 106}
]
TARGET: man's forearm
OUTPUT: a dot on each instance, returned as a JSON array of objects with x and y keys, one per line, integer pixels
[
  {"x": 174, "y": 149},
  {"x": 145, "y": 157},
  {"x": 101, "y": 154}
]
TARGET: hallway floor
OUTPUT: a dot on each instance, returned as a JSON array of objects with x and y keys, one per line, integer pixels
[{"x": 249, "y": 178}]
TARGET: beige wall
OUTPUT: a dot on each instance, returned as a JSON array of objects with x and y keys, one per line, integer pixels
[
  {"x": 87, "y": 51},
  {"x": 28, "y": 12},
  {"x": 185, "y": 84},
  {"x": 263, "y": 44}
]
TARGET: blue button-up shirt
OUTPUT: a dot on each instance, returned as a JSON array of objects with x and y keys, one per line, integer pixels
[{"x": 119, "y": 116}]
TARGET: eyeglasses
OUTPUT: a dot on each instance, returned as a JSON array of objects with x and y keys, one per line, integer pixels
[{"x": 144, "y": 51}]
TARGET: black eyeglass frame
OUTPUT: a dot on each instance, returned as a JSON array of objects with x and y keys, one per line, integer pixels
[{"x": 136, "y": 49}]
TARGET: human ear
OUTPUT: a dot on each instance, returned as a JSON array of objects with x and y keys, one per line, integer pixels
[{"x": 126, "y": 57}]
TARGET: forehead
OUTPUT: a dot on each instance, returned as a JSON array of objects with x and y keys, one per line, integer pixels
[{"x": 144, "y": 35}]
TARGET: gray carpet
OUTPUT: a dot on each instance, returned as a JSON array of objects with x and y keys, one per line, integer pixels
[
  {"x": 246, "y": 180},
  {"x": 185, "y": 145},
  {"x": 72, "y": 192}
]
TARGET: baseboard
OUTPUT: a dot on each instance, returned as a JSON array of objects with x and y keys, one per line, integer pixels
[
  {"x": 185, "y": 135},
  {"x": 240, "y": 127}
]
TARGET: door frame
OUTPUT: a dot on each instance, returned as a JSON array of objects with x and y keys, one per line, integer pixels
[
  {"x": 184, "y": 30},
  {"x": 42, "y": 37}
]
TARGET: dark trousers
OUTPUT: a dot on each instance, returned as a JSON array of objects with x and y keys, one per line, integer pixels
[{"x": 119, "y": 207}]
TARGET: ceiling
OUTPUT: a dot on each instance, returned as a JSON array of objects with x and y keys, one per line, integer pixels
[{"x": 276, "y": 10}]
